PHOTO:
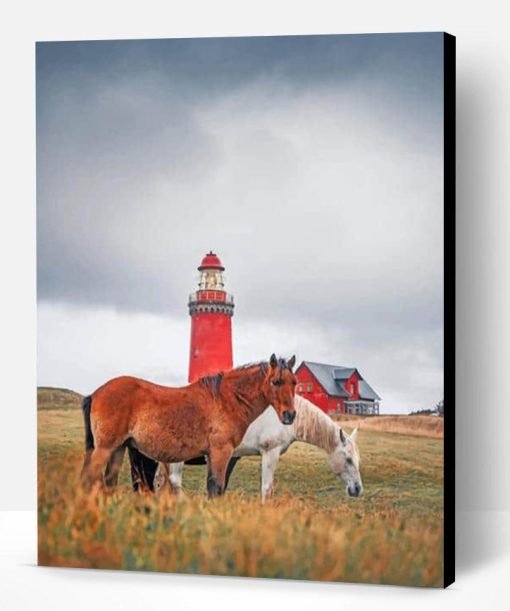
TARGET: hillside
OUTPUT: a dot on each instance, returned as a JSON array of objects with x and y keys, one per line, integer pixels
[{"x": 57, "y": 398}]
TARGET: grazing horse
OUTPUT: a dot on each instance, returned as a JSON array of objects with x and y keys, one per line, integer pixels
[
  {"x": 208, "y": 417},
  {"x": 268, "y": 438}
]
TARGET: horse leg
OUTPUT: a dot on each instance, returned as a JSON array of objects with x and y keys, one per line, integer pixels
[
  {"x": 93, "y": 470},
  {"x": 160, "y": 480},
  {"x": 135, "y": 463},
  {"x": 231, "y": 465},
  {"x": 175, "y": 477},
  {"x": 217, "y": 464},
  {"x": 149, "y": 468},
  {"x": 86, "y": 463},
  {"x": 170, "y": 474},
  {"x": 114, "y": 466},
  {"x": 143, "y": 471},
  {"x": 269, "y": 462}
]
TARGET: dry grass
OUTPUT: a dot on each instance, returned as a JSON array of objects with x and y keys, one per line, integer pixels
[
  {"x": 421, "y": 426},
  {"x": 310, "y": 530}
]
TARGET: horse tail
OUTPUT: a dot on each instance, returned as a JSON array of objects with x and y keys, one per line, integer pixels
[{"x": 89, "y": 438}]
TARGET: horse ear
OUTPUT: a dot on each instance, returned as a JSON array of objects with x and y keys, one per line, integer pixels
[
  {"x": 354, "y": 434},
  {"x": 273, "y": 361},
  {"x": 291, "y": 362},
  {"x": 342, "y": 436}
]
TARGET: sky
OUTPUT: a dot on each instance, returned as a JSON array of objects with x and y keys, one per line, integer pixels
[{"x": 312, "y": 165}]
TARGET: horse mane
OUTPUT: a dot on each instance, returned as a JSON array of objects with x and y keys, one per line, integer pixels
[
  {"x": 212, "y": 383},
  {"x": 263, "y": 365},
  {"x": 314, "y": 426}
]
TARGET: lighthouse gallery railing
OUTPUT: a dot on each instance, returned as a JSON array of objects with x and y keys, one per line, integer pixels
[{"x": 211, "y": 296}]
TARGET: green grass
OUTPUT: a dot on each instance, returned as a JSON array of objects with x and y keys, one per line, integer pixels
[{"x": 310, "y": 530}]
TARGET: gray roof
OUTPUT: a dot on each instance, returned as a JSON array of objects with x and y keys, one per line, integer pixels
[
  {"x": 367, "y": 392},
  {"x": 342, "y": 373},
  {"x": 332, "y": 378},
  {"x": 324, "y": 375}
]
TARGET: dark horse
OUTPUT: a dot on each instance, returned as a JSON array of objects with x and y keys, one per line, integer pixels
[{"x": 207, "y": 418}]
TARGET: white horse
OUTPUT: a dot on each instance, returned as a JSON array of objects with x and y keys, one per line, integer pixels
[{"x": 269, "y": 438}]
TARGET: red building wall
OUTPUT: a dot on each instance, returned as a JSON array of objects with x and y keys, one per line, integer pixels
[
  {"x": 314, "y": 392},
  {"x": 352, "y": 386},
  {"x": 318, "y": 396},
  {"x": 210, "y": 344}
]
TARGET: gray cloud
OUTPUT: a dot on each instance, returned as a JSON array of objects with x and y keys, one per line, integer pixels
[{"x": 312, "y": 165}]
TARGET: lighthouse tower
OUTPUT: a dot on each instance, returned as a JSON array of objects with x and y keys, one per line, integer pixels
[{"x": 211, "y": 310}]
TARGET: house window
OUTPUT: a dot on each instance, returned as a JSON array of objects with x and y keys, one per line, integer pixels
[
  {"x": 300, "y": 388},
  {"x": 309, "y": 387}
]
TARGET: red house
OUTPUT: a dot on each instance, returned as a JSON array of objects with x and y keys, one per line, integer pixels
[{"x": 336, "y": 389}]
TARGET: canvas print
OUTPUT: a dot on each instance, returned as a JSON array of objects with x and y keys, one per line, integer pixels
[{"x": 245, "y": 306}]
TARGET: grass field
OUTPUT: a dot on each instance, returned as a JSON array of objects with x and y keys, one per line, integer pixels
[
  {"x": 419, "y": 426},
  {"x": 309, "y": 530}
]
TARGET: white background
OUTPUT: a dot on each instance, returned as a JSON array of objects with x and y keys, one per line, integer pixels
[{"x": 483, "y": 258}]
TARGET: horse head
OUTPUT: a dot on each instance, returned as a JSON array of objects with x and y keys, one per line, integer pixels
[
  {"x": 344, "y": 461},
  {"x": 279, "y": 388}
]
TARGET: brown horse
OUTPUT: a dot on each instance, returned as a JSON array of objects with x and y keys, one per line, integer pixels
[{"x": 208, "y": 417}]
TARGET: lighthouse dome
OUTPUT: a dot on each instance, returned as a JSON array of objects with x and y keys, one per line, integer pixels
[{"x": 211, "y": 261}]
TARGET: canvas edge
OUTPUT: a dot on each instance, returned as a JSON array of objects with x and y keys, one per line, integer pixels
[
  {"x": 449, "y": 195},
  {"x": 449, "y": 307}
]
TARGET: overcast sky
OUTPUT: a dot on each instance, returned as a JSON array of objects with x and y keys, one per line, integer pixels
[{"x": 312, "y": 165}]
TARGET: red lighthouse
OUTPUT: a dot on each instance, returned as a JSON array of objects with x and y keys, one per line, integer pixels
[{"x": 211, "y": 310}]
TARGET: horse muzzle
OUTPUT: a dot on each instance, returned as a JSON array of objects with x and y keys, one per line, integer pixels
[
  {"x": 355, "y": 489},
  {"x": 288, "y": 417}
]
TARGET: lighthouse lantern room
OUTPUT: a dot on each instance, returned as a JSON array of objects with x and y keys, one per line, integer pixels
[{"x": 211, "y": 310}]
